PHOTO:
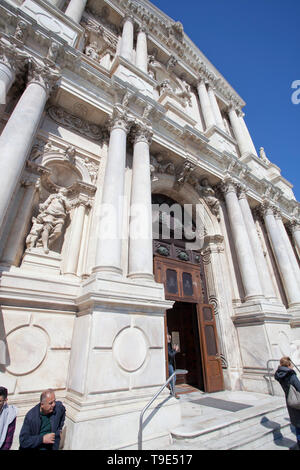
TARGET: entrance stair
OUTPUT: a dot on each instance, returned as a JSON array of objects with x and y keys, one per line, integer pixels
[{"x": 232, "y": 421}]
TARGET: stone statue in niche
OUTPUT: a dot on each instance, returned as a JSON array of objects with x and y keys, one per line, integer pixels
[
  {"x": 205, "y": 190},
  {"x": 48, "y": 225}
]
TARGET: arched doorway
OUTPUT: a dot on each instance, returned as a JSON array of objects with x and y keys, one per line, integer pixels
[{"x": 191, "y": 321}]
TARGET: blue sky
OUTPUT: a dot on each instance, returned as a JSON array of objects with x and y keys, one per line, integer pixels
[{"x": 255, "y": 45}]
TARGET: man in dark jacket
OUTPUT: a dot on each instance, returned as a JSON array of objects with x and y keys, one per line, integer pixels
[
  {"x": 43, "y": 424},
  {"x": 172, "y": 351},
  {"x": 286, "y": 376}
]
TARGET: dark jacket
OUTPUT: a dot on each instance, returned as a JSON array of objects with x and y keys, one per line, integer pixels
[
  {"x": 286, "y": 377},
  {"x": 30, "y": 433},
  {"x": 171, "y": 355}
]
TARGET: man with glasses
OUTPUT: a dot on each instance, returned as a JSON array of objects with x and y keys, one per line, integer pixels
[{"x": 43, "y": 424}]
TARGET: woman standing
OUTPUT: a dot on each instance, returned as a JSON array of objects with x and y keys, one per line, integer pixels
[{"x": 286, "y": 376}]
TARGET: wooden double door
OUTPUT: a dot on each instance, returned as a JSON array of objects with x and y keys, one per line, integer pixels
[{"x": 191, "y": 324}]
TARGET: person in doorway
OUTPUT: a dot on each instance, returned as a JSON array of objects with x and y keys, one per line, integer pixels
[
  {"x": 172, "y": 351},
  {"x": 286, "y": 376},
  {"x": 8, "y": 417},
  {"x": 43, "y": 424}
]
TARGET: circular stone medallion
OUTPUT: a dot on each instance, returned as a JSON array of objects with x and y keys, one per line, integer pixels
[
  {"x": 130, "y": 349},
  {"x": 27, "y": 348}
]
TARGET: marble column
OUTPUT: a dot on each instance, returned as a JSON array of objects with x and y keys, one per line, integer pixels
[
  {"x": 282, "y": 259},
  {"x": 12, "y": 60},
  {"x": 141, "y": 60},
  {"x": 140, "y": 229},
  {"x": 244, "y": 253},
  {"x": 262, "y": 268},
  {"x": 295, "y": 228},
  {"x": 289, "y": 248},
  {"x": 109, "y": 242},
  {"x": 18, "y": 134},
  {"x": 248, "y": 137},
  {"x": 127, "y": 38},
  {"x": 205, "y": 104},
  {"x": 238, "y": 131},
  {"x": 76, "y": 235},
  {"x": 15, "y": 242},
  {"x": 215, "y": 107},
  {"x": 75, "y": 10}
]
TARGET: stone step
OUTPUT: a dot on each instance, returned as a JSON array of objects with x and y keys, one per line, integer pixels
[
  {"x": 216, "y": 427},
  {"x": 254, "y": 436}
]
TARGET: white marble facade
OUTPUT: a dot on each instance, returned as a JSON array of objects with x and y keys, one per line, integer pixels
[{"x": 102, "y": 104}]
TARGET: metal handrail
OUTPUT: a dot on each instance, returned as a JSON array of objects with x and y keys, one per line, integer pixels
[
  {"x": 268, "y": 373},
  {"x": 176, "y": 372}
]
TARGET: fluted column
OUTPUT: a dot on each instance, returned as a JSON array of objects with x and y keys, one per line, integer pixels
[
  {"x": 140, "y": 229},
  {"x": 75, "y": 10},
  {"x": 205, "y": 104},
  {"x": 242, "y": 244},
  {"x": 141, "y": 50},
  {"x": 17, "y": 136},
  {"x": 76, "y": 235},
  {"x": 289, "y": 249},
  {"x": 238, "y": 131},
  {"x": 11, "y": 61},
  {"x": 262, "y": 268},
  {"x": 215, "y": 107},
  {"x": 282, "y": 259},
  {"x": 109, "y": 243},
  {"x": 127, "y": 38}
]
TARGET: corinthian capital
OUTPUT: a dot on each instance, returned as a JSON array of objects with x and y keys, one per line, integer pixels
[
  {"x": 229, "y": 185},
  {"x": 11, "y": 56},
  {"x": 120, "y": 119},
  {"x": 294, "y": 226},
  {"x": 43, "y": 75},
  {"x": 142, "y": 133},
  {"x": 266, "y": 208}
]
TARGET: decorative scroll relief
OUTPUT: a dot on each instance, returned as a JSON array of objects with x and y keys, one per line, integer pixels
[
  {"x": 70, "y": 121},
  {"x": 130, "y": 349}
]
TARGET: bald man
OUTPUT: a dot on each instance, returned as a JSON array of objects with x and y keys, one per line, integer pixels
[{"x": 43, "y": 424}]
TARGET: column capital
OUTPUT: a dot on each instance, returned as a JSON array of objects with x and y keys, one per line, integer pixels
[
  {"x": 294, "y": 225},
  {"x": 242, "y": 191},
  {"x": 142, "y": 132},
  {"x": 201, "y": 81},
  {"x": 266, "y": 208},
  {"x": 228, "y": 185},
  {"x": 128, "y": 17},
  {"x": 142, "y": 28},
  {"x": 120, "y": 119},
  {"x": 43, "y": 75},
  {"x": 11, "y": 56}
]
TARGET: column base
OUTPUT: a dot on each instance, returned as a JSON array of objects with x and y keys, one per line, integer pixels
[
  {"x": 141, "y": 276},
  {"x": 97, "y": 424},
  {"x": 108, "y": 271}
]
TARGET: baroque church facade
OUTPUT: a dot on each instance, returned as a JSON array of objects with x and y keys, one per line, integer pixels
[{"x": 108, "y": 109}]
